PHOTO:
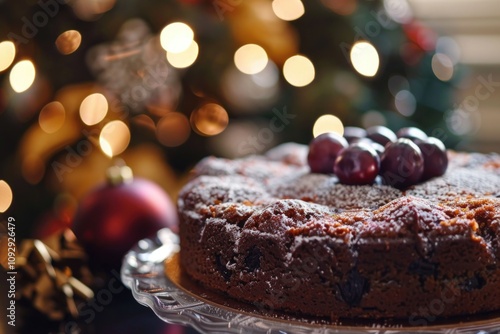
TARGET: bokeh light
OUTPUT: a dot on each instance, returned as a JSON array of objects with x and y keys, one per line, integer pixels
[
  {"x": 442, "y": 66},
  {"x": 173, "y": 129},
  {"x": 52, "y": 117},
  {"x": 22, "y": 76},
  {"x": 7, "y": 54},
  {"x": 68, "y": 42},
  {"x": 145, "y": 122},
  {"x": 462, "y": 122},
  {"x": 114, "y": 138},
  {"x": 250, "y": 58},
  {"x": 398, "y": 10},
  {"x": 90, "y": 10},
  {"x": 405, "y": 103},
  {"x": 267, "y": 78},
  {"x": 185, "y": 58},
  {"x": 5, "y": 196},
  {"x": 449, "y": 47},
  {"x": 298, "y": 71},
  {"x": 176, "y": 37},
  {"x": 328, "y": 123},
  {"x": 209, "y": 120},
  {"x": 93, "y": 109},
  {"x": 397, "y": 83},
  {"x": 251, "y": 93},
  {"x": 365, "y": 59},
  {"x": 288, "y": 10}
]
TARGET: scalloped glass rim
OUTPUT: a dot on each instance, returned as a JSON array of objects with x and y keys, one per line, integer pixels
[{"x": 143, "y": 273}]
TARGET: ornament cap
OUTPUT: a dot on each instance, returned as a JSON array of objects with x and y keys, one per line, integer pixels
[{"x": 119, "y": 174}]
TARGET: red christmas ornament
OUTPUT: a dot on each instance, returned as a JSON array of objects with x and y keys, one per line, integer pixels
[{"x": 114, "y": 217}]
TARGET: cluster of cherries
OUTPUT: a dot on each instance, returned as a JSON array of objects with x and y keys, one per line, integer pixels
[{"x": 402, "y": 159}]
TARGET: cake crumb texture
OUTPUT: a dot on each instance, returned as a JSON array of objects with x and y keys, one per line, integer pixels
[{"x": 265, "y": 230}]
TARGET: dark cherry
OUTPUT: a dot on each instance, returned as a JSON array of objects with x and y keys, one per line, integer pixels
[
  {"x": 435, "y": 157},
  {"x": 411, "y": 133},
  {"x": 323, "y": 151},
  {"x": 402, "y": 164},
  {"x": 361, "y": 140},
  {"x": 357, "y": 164},
  {"x": 378, "y": 148},
  {"x": 352, "y": 133},
  {"x": 381, "y": 134},
  {"x": 353, "y": 288}
]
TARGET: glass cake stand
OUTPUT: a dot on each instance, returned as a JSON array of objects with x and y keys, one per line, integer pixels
[{"x": 151, "y": 271}]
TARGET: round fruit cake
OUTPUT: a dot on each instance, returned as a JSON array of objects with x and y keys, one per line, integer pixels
[{"x": 267, "y": 231}]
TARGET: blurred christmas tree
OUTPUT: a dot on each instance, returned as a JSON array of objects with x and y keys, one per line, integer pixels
[{"x": 163, "y": 83}]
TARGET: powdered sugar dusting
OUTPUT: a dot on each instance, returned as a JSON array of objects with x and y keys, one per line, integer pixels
[
  {"x": 277, "y": 193},
  {"x": 326, "y": 190}
]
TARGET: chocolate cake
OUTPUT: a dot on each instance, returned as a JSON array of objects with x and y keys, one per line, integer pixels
[{"x": 267, "y": 231}]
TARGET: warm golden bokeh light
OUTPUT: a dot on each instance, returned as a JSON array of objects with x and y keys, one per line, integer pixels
[
  {"x": 176, "y": 37},
  {"x": 68, "y": 42},
  {"x": 442, "y": 66},
  {"x": 173, "y": 129},
  {"x": 298, "y": 71},
  {"x": 114, "y": 138},
  {"x": 51, "y": 117},
  {"x": 365, "y": 59},
  {"x": 93, "y": 109},
  {"x": 328, "y": 123},
  {"x": 5, "y": 196},
  {"x": 250, "y": 59},
  {"x": 7, "y": 54},
  {"x": 288, "y": 10},
  {"x": 209, "y": 120},
  {"x": 185, "y": 58},
  {"x": 90, "y": 10},
  {"x": 144, "y": 121},
  {"x": 22, "y": 76}
]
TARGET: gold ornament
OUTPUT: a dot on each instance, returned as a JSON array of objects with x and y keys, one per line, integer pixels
[{"x": 52, "y": 274}]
